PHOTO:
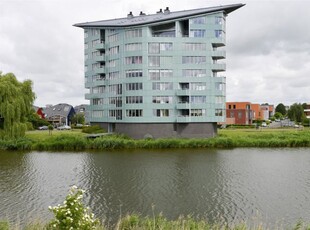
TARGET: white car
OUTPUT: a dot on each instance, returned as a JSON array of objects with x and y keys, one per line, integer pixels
[{"x": 64, "y": 127}]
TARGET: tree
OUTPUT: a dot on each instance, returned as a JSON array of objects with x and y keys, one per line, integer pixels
[
  {"x": 36, "y": 120},
  {"x": 296, "y": 112},
  {"x": 78, "y": 118},
  {"x": 281, "y": 109},
  {"x": 16, "y": 99},
  {"x": 278, "y": 115}
]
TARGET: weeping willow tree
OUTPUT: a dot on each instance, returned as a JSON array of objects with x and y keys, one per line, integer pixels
[{"x": 16, "y": 99}]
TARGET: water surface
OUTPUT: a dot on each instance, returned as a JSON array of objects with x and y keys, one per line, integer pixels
[{"x": 253, "y": 185}]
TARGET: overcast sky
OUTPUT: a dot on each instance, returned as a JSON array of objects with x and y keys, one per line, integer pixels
[{"x": 268, "y": 45}]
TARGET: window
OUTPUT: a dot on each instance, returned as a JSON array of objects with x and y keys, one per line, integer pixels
[
  {"x": 219, "y": 33},
  {"x": 117, "y": 101},
  {"x": 86, "y": 46},
  {"x": 154, "y": 61},
  {"x": 98, "y": 89},
  {"x": 114, "y": 75},
  {"x": 85, "y": 34},
  {"x": 133, "y": 60},
  {"x": 156, "y": 47},
  {"x": 133, "y": 33},
  {"x": 194, "y": 46},
  {"x": 198, "y": 20},
  {"x": 113, "y": 38},
  {"x": 95, "y": 42},
  {"x": 193, "y": 59},
  {"x": 134, "y": 73},
  {"x": 197, "y": 33},
  {"x": 194, "y": 73},
  {"x": 162, "y": 99},
  {"x": 97, "y": 113},
  {"x": 115, "y": 89},
  {"x": 114, "y": 50},
  {"x": 197, "y": 112},
  {"x": 229, "y": 106},
  {"x": 133, "y": 47},
  {"x": 198, "y": 86},
  {"x": 218, "y": 112},
  {"x": 95, "y": 32},
  {"x": 134, "y": 113},
  {"x": 197, "y": 99},
  {"x": 219, "y": 20},
  {"x": 220, "y": 100},
  {"x": 161, "y": 112},
  {"x": 158, "y": 74},
  {"x": 117, "y": 113},
  {"x": 134, "y": 100},
  {"x": 112, "y": 63},
  {"x": 162, "y": 86},
  {"x": 133, "y": 86},
  {"x": 98, "y": 101},
  {"x": 220, "y": 86},
  {"x": 239, "y": 115}
]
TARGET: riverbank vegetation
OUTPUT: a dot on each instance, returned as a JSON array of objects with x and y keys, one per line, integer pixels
[
  {"x": 75, "y": 140},
  {"x": 73, "y": 214}
]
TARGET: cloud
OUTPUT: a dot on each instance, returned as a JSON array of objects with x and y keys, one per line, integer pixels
[{"x": 268, "y": 45}]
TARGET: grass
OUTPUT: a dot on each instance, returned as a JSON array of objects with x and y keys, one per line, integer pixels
[
  {"x": 75, "y": 140},
  {"x": 159, "y": 222}
]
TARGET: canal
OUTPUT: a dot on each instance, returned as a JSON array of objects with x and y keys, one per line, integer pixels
[{"x": 257, "y": 185}]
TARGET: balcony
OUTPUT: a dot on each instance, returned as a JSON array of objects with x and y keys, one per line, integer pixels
[
  {"x": 100, "y": 46},
  {"x": 100, "y": 70},
  {"x": 181, "y": 92},
  {"x": 99, "y": 58},
  {"x": 217, "y": 42},
  {"x": 218, "y": 54},
  {"x": 183, "y": 105},
  {"x": 217, "y": 67}
]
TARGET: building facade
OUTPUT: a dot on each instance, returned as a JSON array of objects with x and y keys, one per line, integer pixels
[
  {"x": 158, "y": 75},
  {"x": 239, "y": 113}
]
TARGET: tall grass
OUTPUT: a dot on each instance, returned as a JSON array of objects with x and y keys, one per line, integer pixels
[{"x": 77, "y": 141}]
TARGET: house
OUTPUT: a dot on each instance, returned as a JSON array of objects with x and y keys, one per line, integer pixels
[
  {"x": 307, "y": 111},
  {"x": 82, "y": 109},
  {"x": 158, "y": 75},
  {"x": 39, "y": 111},
  {"x": 59, "y": 114},
  {"x": 239, "y": 113}
]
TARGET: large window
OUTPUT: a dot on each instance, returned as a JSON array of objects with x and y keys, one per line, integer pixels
[
  {"x": 161, "y": 112},
  {"x": 220, "y": 100},
  {"x": 162, "y": 86},
  {"x": 162, "y": 99},
  {"x": 198, "y": 86},
  {"x": 194, "y": 59},
  {"x": 197, "y": 33},
  {"x": 134, "y": 73},
  {"x": 197, "y": 112},
  {"x": 219, "y": 20},
  {"x": 157, "y": 74},
  {"x": 134, "y": 100},
  {"x": 98, "y": 101},
  {"x": 219, "y": 33},
  {"x": 114, "y": 75},
  {"x": 133, "y": 47},
  {"x": 197, "y": 99},
  {"x": 157, "y": 61},
  {"x": 194, "y": 46},
  {"x": 133, "y": 33},
  {"x": 156, "y": 47},
  {"x": 117, "y": 113},
  {"x": 134, "y": 112},
  {"x": 97, "y": 113},
  {"x": 198, "y": 20},
  {"x": 113, "y": 38},
  {"x": 219, "y": 112},
  {"x": 134, "y": 86},
  {"x": 117, "y": 101},
  {"x": 98, "y": 89},
  {"x": 114, "y": 50},
  {"x": 133, "y": 60},
  {"x": 116, "y": 89},
  {"x": 220, "y": 86},
  {"x": 194, "y": 73}
]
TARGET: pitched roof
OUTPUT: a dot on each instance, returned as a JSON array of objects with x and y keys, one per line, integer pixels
[
  {"x": 165, "y": 15},
  {"x": 60, "y": 109}
]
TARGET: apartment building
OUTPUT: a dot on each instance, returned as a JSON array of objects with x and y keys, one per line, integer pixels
[{"x": 158, "y": 75}]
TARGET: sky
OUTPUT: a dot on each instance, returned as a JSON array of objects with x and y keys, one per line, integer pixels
[{"x": 267, "y": 43}]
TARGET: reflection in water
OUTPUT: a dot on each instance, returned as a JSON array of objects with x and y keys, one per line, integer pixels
[{"x": 222, "y": 185}]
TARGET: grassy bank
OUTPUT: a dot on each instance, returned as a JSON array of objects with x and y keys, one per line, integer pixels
[
  {"x": 75, "y": 140},
  {"x": 136, "y": 222}
]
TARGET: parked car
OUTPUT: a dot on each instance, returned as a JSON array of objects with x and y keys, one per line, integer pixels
[
  {"x": 44, "y": 127},
  {"x": 64, "y": 127},
  {"x": 264, "y": 124}
]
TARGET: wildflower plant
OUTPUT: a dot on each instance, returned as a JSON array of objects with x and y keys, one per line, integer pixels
[{"x": 73, "y": 214}]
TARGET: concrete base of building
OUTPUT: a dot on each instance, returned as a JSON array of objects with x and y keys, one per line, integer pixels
[{"x": 161, "y": 130}]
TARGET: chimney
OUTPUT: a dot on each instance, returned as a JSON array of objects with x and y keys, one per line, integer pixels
[
  {"x": 130, "y": 15},
  {"x": 160, "y": 11},
  {"x": 141, "y": 13},
  {"x": 167, "y": 11}
]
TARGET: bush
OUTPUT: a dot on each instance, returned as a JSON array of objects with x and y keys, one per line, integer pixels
[
  {"x": 72, "y": 214},
  {"x": 93, "y": 129}
]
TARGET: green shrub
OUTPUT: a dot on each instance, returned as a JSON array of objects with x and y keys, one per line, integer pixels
[{"x": 93, "y": 129}]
